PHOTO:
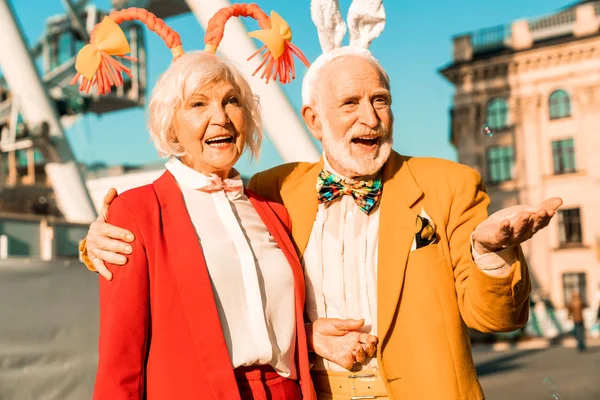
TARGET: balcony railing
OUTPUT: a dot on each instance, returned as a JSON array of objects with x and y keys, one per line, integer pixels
[
  {"x": 552, "y": 26},
  {"x": 549, "y": 26},
  {"x": 491, "y": 38}
]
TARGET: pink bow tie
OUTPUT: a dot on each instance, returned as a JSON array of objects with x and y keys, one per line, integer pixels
[{"x": 233, "y": 188}]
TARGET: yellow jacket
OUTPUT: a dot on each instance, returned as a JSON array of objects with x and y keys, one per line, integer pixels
[{"x": 426, "y": 298}]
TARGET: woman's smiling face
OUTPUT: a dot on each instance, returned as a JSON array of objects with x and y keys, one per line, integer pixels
[{"x": 211, "y": 127}]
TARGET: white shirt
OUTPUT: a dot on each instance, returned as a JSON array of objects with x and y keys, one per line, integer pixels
[
  {"x": 340, "y": 266},
  {"x": 251, "y": 278}
]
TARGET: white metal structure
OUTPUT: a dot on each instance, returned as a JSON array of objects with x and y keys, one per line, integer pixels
[{"x": 36, "y": 107}]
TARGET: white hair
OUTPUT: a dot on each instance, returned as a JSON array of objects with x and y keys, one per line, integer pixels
[
  {"x": 313, "y": 74},
  {"x": 187, "y": 75}
]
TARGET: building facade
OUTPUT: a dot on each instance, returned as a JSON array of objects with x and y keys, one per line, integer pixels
[{"x": 526, "y": 115}]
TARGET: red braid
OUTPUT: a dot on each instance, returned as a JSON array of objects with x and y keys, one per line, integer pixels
[
  {"x": 280, "y": 66},
  {"x": 155, "y": 24},
  {"x": 216, "y": 25}
]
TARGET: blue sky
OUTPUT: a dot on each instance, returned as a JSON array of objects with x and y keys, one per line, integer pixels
[{"x": 416, "y": 42}]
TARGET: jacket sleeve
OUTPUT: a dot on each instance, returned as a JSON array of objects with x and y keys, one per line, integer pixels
[
  {"x": 253, "y": 183},
  {"x": 486, "y": 303},
  {"x": 83, "y": 255},
  {"x": 124, "y": 319}
]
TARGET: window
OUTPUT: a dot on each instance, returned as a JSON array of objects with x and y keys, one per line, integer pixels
[
  {"x": 563, "y": 155},
  {"x": 569, "y": 227},
  {"x": 572, "y": 282},
  {"x": 63, "y": 47},
  {"x": 134, "y": 34},
  {"x": 500, "y": 164},
  {"x": 21, "y": 157},
  {"x": 38, "y": 157},
  {"x": 66, "y": 47},
  {"x": 53, "y": 50},
  {"x": 497, "y": 114},
  {"x": 79, "y": 45},
  {"x": 560, "y": 104},
  {"x": 126, "y": 62}
]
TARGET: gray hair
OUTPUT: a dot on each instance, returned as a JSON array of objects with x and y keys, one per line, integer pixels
[{"x": 185, "y": 76}]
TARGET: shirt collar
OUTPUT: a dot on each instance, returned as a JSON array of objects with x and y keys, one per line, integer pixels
[{"x": 191, "y": 178}]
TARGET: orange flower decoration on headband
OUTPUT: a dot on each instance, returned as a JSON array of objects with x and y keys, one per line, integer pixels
[
  {"x": 275, "y": 33},
  {"x": 95, "y": 63},
  {"x": 107, "y": 40}
]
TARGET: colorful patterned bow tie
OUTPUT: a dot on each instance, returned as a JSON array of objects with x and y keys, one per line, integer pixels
[
  {"x": 366, "y": 194},
  {"x": 233, "y": 188}
]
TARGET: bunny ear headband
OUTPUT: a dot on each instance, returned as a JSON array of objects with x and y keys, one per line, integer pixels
[
  {"x": 96, "y": 64},
  {"x": 366, "y": 20}
]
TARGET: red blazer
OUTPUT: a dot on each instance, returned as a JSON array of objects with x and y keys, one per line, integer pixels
[{"x": 160, "y": 334}]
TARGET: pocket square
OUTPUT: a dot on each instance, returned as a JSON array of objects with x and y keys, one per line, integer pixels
[{"x": 425, "y": 231}]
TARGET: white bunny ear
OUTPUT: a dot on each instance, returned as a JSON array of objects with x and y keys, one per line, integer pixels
[
  {"x": 329, "y": 22},
  {"x": 366, "y": 20}
]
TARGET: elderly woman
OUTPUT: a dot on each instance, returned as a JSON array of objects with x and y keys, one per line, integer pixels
[{"x": 211, "y": 305}]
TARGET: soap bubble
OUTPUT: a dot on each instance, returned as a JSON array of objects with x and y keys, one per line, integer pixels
[
  {"x": 487, "y": 130},
  {"x": 551, "y": 384},
  {"x": 548, "y": 381}
]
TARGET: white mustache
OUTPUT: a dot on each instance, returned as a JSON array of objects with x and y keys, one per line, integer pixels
[{"x": 364, "y": 132}]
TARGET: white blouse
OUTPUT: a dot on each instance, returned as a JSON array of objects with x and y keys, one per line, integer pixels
[{"x": 251, "y": 278}]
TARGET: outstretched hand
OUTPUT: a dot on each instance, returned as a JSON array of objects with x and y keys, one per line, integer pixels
[{"x": 513, "y": 225}]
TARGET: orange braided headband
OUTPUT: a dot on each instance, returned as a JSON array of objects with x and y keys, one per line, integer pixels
[
  {"x": 275, "y": 33},
  {"x": 95, "y": 62},
  {"x": 97, "y": 67}
]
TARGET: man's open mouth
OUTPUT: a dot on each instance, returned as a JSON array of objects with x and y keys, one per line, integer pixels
[{"x": 366, "y": 140}]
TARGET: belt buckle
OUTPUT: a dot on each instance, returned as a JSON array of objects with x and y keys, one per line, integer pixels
[
  {"x": 355, "y": 376},
  {"x": 362, "y": 397},
  {"x": 360, "y": 376}
]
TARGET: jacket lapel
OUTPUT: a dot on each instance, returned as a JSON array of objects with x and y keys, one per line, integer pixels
[
  {"x": 300, "y": 199},
  {"x": 182, "y": 253},
  {"x": 397, "y": 228}
]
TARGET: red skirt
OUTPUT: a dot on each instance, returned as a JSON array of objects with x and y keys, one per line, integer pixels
[{"x": 261, "y": 382}]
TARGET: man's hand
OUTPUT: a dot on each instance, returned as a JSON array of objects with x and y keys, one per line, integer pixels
[
  {"x": 100, "y": 241},
  {"x": 337, "y": 340},
  {"x": 513, "y": 225}
]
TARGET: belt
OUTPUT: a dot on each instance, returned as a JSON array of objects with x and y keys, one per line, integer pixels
[
  {"x": 255, "y": 373},
  {"x": 349, "y": 385}
]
